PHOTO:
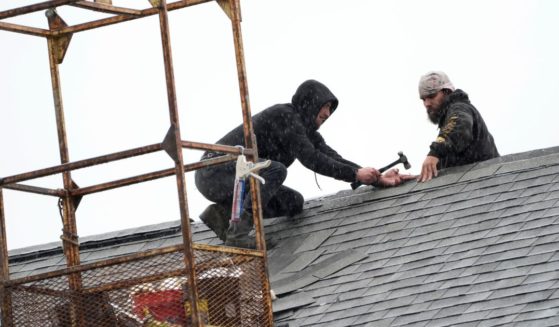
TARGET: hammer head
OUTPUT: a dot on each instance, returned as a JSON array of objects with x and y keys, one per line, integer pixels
[{"x": 404, "y": 160}]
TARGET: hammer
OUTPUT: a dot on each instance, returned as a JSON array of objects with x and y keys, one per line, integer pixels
[{"x": 401, "y": 159}]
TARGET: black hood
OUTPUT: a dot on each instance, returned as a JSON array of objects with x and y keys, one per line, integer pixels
[
  {"x": 456, "y": 96},
  {"x": 309, "y": 98}
]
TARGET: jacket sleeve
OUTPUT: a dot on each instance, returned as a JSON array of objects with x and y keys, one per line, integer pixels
[
  {"x": 456, "y": 132},
  {"x": 316, "y": 160}
]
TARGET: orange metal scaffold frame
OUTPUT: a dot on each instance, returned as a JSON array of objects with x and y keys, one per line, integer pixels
[{"x": 58, "y": 36}]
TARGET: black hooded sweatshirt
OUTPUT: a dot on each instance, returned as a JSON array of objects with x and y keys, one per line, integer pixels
[
  {"x": 463, "y": 136},
  {"x": 285, "y": 132}
]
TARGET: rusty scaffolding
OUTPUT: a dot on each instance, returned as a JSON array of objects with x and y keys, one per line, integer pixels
[{"x": 184, "y": 285}]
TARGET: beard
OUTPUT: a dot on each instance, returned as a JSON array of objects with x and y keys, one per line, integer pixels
[{"x": 434, "y": 116}]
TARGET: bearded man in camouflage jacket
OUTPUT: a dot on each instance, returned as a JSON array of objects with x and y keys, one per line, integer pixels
[{"x": 463, "y": 135}]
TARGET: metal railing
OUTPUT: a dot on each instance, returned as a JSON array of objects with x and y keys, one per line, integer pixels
[{"x": 147, "y": 287}]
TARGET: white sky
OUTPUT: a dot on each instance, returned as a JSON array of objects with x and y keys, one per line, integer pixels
[{"x": 370, "y": 53}]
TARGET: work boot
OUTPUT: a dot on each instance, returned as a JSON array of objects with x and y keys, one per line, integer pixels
[
  {"x": 239, "y": 234},
  {"x": 216, "y": 217}
]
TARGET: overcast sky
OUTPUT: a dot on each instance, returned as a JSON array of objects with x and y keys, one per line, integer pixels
[{"x": 369, "y": 53}]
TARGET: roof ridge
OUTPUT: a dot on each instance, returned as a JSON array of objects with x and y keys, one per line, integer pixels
[{"x": 96, "y": 243}]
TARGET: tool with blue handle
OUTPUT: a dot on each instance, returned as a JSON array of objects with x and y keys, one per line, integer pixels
[{"x": 244, "y": 169}]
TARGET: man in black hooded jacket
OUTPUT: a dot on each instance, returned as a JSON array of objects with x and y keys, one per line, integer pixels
[
  {"x": 284, "y": 132},
  {"x": 463, "y": 136}
]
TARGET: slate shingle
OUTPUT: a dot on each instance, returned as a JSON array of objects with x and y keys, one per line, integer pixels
[
  {"x": 313, "y": 241},
  {"x": 508, "y": 301},
  {"x": 492, "y": 322},
  {"x": 498, "y": 274},
  {"x": 370, "y": 317},
  {"x": 406, "y": 310},
  {"x": 422, "y": 317},
  {"x": 552, "y": 321},
  {"x": 522, "y": 289},
  {"x": 497, "y": 180}
]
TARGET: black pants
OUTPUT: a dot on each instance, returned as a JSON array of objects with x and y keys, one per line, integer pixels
[{"x": 216, "y": 184}]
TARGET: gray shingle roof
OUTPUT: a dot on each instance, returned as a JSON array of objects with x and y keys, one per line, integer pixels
[{"x": 477, "y": 246}]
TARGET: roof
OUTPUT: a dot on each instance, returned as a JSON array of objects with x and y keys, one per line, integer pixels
[{"x": 477, "y": 246}]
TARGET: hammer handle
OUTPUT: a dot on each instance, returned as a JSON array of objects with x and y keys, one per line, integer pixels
[{"x": 355, "y": 185}]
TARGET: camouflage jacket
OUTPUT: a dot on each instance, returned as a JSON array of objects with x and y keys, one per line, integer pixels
[{"x": 463, "y": 136}]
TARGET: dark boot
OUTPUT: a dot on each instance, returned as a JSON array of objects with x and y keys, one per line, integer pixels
[
  {"x": 216, "y": 217},
  {"x": 239, "y": 234}
]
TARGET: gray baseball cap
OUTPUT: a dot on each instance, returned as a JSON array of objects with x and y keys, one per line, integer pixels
[{"x": 433, "y": 82}]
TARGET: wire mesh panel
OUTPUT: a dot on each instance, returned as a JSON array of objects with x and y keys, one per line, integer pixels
[{"x": 150, "y": 290}]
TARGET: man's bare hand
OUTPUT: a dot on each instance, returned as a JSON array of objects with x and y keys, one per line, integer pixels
[
  {"x": 429, "y": 169},
  {"x": 394, "y": 178},
  {"x": 367, "y": 175}
]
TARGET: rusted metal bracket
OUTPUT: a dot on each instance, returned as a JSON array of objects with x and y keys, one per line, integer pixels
[
  {"x": 60, "y": 43},
  {"x": 226, "y": 6},
  {"x": 155, "y": 3},
  {"x": 76, "y": 199},
  {"x": 169, "y": 144}
]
